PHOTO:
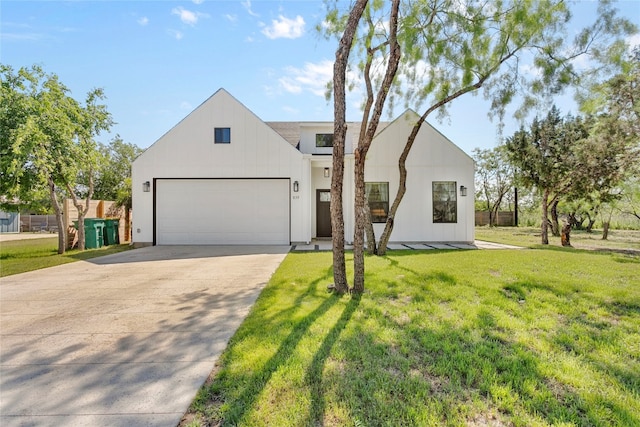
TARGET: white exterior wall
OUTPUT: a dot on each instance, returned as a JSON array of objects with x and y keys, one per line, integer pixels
[
  {"x": 432, "y": 158},
  {"x": 188, "y": 151},
  {"x": 308, "y": 133}
]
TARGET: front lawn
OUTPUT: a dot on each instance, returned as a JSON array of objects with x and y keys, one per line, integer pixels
[
  {"x": 530, "y": 237},
  {"x": 19, "y": 256},
  {"x": 478, "y": 338}
]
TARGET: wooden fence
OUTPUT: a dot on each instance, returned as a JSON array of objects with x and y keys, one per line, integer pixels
[
  {"x": 97, "y": 209},
  {"x": 38, "y": 224},
  {"x": 505, "y": 218}
]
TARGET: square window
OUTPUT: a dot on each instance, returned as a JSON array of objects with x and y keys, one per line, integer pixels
[
  {"x": 222, "y": 135},
  {"x": 377, "y": 194},
  {"x": 324, "y": 140},
  {"x": 445, "y": 202}
]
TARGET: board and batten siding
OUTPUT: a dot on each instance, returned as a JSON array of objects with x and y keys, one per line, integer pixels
[{"x": 432, "y": 158}]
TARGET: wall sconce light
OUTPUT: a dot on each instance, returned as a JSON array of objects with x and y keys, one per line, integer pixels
[
  {"x": 146, "y": 186},
  {"x": 463, "y": 190},
  {"x": 326, "y": 172},
  {"x": 296, "y": 186}
]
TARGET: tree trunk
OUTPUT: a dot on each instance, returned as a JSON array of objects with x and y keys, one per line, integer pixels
[
  {"x": 496, "y": 209},
  {"x": 360, "y": 220},
  {"x": 127, "y": 224},
  {"x": 62, "y": 232},
  {"x": 493, "y": 216},
  {"x": 573, "y": 220},
  {"x": 555, "y": 226},
  {"x": 360, "y": 153},
  {"x": 402, "y": 189},
  {"x": 544, "y": 226},
  {"x": 339, "y": 133},
  {"x": 370, "y": 232},
  {"x": 82, "y": 210},
  {"x": 402, "y": 186},
  {"x": 605, "y": 230},
  {"x": 337, "y": 216},
  {"x": 565, "y": 237}
]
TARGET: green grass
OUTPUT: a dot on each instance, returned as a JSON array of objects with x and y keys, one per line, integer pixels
[
  {"x": 19, "y": 256},
  {"x": 530, "y": 237},
  {"x": 529, "y": 337}
]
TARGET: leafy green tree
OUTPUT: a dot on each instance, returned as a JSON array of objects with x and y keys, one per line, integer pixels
[
  {"x": 545, "y": 157},
  {"x": 47, "y": 138},
  {"x": 573, "y": 159},
  {"x": 93, "y": 119},
  {"x": 630, "y": 197},
  {"x": 468, "y": 46},
  {"x": 115, "y": 168},
  {"x": 113, "y": 180},
  {"x": 21, "y": 185},
  {"x": 450, "y": 48},
  {"x": 494, "y": 179}
]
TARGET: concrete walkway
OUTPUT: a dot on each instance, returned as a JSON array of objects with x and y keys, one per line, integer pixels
[
  {"x": 325, "y": 245},
  {"x": 125, "y": 339}
]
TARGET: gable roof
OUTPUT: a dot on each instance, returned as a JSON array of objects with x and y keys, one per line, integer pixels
[{"x": 290, "y": 131}]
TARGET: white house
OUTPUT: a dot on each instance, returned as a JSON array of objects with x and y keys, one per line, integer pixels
[{"x": 223, "y": 176}]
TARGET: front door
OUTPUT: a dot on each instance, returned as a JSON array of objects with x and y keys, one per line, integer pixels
[{"x": 323, "y": 213}]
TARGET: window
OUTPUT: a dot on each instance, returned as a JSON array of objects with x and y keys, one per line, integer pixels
[
  {"x": 445, "y": 205},
  {"x": 324, "y": 140},
  {"x": 378, "y": 197},
  {"x": 222, "y": 136}
]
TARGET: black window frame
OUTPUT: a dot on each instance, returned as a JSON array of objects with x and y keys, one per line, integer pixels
[
  {"x": 219, "y": 135},
  {"x": 322, "y": 138},
  {"x": 376, "y": 205},
  {"x": 445, "y": 208}
]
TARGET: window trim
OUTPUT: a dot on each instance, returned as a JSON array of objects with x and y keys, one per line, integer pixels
[
  {"x": 322, "y": 137},
  {"x": 451, "y": 191},
  {"x": 221, "y": 131},
  {"x": 378, "y": 219}
]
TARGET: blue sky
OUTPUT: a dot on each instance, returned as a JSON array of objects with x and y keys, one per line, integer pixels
[{"x": 158, "y": 60}]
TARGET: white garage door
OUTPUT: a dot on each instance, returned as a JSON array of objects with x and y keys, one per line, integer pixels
[{"x": 222, "y": 211}]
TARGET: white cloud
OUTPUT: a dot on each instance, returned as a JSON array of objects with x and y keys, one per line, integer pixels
[
  {"x": 231, "y": 18},
  {"x": 198, "y": 1},
  {"x": 143, "y": 21},
  {"x": 289, "y": 85},
  {"x": 285, "y": 28},
  {"x": 188, "y": 17},
  {"x": 176, "y": 34},
  {"x": 247, "y": 6},
  {"x": 184, "y": 105},
  {"x": 313, "y": 77},
  {"x": 633, "y": 40}
]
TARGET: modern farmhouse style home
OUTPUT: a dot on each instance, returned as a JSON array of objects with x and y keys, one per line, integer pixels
[{"x": 223, "y": 176}]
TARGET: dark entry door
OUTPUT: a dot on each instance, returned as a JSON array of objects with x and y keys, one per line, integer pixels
[{"x": 323, "y": 213}]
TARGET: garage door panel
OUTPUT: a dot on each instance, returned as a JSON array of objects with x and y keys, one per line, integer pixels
[{"x": 222, "y": 211}]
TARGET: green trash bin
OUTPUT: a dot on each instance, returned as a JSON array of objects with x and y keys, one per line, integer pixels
[
  {"x": 93, "y": 233},
  {"x": 111, "y": 235}
]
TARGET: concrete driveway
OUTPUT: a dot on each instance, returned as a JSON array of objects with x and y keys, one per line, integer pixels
[{"x": 125, "y": 339}]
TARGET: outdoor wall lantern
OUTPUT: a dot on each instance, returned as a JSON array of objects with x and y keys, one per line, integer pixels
[
  {"x": 146, "y": 186},
  {"x": 463, "y": 190},
  {"x": 296, "y": 186},
  {"x": 326, "y": 172}
]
